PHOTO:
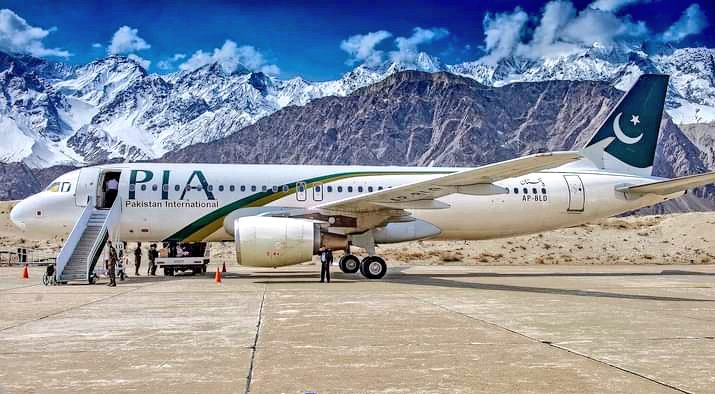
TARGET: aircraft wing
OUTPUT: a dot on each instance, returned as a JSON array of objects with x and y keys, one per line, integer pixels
[
  {"x": 475, "y": 181},
  {"x": 671, "y": 185}
]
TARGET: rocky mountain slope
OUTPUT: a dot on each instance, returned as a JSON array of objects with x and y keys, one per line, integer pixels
[{"x": 112, "y": 108}]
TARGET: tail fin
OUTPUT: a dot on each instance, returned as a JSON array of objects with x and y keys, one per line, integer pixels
[{"x": 627, "y": 139}]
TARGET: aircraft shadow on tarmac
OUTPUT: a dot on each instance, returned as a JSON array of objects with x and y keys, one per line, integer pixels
[
  {"x": 438, "y": 280},
  {"x": 396, "y": 275}
]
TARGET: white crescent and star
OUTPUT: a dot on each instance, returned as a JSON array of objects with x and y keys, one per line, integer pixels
[{"x": 619, "y": 133}]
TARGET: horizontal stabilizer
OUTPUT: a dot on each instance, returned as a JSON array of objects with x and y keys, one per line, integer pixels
[{"x": 671, "y": 185}]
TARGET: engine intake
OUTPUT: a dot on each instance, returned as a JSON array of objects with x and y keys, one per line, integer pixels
[{"x": 273, "y": 242}]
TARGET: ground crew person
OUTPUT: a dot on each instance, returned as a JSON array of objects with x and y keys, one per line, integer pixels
[
  {"x": 153, "y": 254},
  {"x": 137, "y": 258},
  {"x": 326, "y": 258},
  {"x": 111, "y": 264}
]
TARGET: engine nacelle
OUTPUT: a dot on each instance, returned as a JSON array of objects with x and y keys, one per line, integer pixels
[{"x": 263, "y": 241}]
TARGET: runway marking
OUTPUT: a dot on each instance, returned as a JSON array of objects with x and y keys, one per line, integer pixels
[
  {"x": 253, "y": 348},
  {"x": 555, "y": 346}
]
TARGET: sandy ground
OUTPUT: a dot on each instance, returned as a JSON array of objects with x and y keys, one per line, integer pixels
[{"x": 665, "y": 239}]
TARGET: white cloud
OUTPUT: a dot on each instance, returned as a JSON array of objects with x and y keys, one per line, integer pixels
[
  {"x": 545, "y": 41},
  {"x": 502, "y": 34},
  {"x": 168, "y": 64},
  {"x": 230, "y": 56},
  {"x": 17, "y": 36},
  {"x": 604, "y": 27},
  {"x": 693, "y": 21},
  {"x": 614, "y": 5},
  {"x": 126, "y": 40},
  {"x": 561, "y": 30},
  {"x": 142, "y": 62},
  {"x": 361, "y": 47},
  {"x": 97, "y": 45},
  {"x": 407, "y": 46}
]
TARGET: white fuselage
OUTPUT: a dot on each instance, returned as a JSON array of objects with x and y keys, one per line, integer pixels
[{"x": 189, "y": 202}]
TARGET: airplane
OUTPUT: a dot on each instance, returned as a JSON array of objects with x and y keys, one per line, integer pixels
[{"x": 280, "y": 215}]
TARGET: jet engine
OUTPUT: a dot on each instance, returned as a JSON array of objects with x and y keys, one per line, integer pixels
[{"x": 263, "y": 241}]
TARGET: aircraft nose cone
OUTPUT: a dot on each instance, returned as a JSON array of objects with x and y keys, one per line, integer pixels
[{"x": 16, "y": 216}]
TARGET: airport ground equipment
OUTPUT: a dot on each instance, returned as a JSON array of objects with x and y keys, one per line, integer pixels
[{"x": 195, "y": 258}]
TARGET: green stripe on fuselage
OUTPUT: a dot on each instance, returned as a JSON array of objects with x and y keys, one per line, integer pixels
[{"x": 212, "y": 221}]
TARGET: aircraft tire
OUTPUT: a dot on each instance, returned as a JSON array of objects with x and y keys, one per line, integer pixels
[
  {"x": 373, "y": 267},
  {"x": 349, "y": 264}
]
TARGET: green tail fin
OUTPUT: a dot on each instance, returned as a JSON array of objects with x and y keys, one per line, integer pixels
[{"x": 627, "y": 139}]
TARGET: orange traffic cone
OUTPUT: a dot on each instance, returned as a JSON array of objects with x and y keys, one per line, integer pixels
[
  {"x": 217, "y": 278},
  {"x": 224, "y": 267},
  {"x": 25, "y": 273}
]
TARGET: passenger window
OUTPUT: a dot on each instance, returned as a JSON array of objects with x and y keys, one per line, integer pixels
[
  {"x": 274, "y": 188},
  {"x": 66, "y": 187},
  {"x": 516, "y": 190},
  {"x": 534, "y": 191},
  {"x": 243, "y": 188},
  {"x": 198, "y": 187},
  {"x": 340, "y": 189},
  {"x": 264, "y": 188},
  {"x": 543, "y": 191},
  {"x": 369, "y": 189},
  {"x": 526, "y": 191},
  {"x": 154, "y": 187},
  {"x": 54, "y": 187},
  {"x": 165, "y": 188},
  {"x": 379, "y": 188},
  {"x": 350, "y": 189},
  {"x": 220, "y": 188},
  {"x": 360, "y": 189},
  {"x": 285, "y": 188},
  {"x": 232, "y": 188},
  {"x": 330, "y": 189},
  {"x": 132, "y": 187},
  {"x": 177, "y": 188},
  {"x": 210, "y": 188},
  {"x": 143, "y": 187},
  {"x": 253, "y": 188}
]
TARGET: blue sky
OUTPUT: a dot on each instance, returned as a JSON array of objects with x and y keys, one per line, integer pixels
[{"x": 322, "y": 40}]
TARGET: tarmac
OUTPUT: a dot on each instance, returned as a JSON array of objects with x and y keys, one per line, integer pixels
[{"x": 527, "y": 329}]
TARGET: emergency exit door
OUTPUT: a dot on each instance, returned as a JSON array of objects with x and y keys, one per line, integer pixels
[
  {"x": 317, "y": 192},
  {"x": 300, "y": 192},
  {"x": 577, "y": 193}
]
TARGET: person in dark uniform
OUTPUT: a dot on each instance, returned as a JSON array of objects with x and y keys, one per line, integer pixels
[
  {"x": 111, "y": 265},
  {"x": 137, "y": 258},
  {"x": 153, "y": 254},
  {"x": 326, "y": 258}
]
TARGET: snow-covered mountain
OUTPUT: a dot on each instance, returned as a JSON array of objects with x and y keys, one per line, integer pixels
[{"x": 53, "y": 113}]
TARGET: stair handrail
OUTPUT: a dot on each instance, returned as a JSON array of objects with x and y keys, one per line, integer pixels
[
  {"x": 108, "y": 227},
  {"x": 72, "y": 240}
]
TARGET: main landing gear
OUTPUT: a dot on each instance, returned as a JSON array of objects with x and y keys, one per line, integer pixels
[{"x": 371, "y": 267}]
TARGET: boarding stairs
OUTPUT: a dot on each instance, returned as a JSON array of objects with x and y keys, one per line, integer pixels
[{"x": 83, "y": 248}]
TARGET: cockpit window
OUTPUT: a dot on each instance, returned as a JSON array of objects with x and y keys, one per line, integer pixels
[
  {"x": 54, "y": 187},
  {"x": 66, "y": 187}
]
